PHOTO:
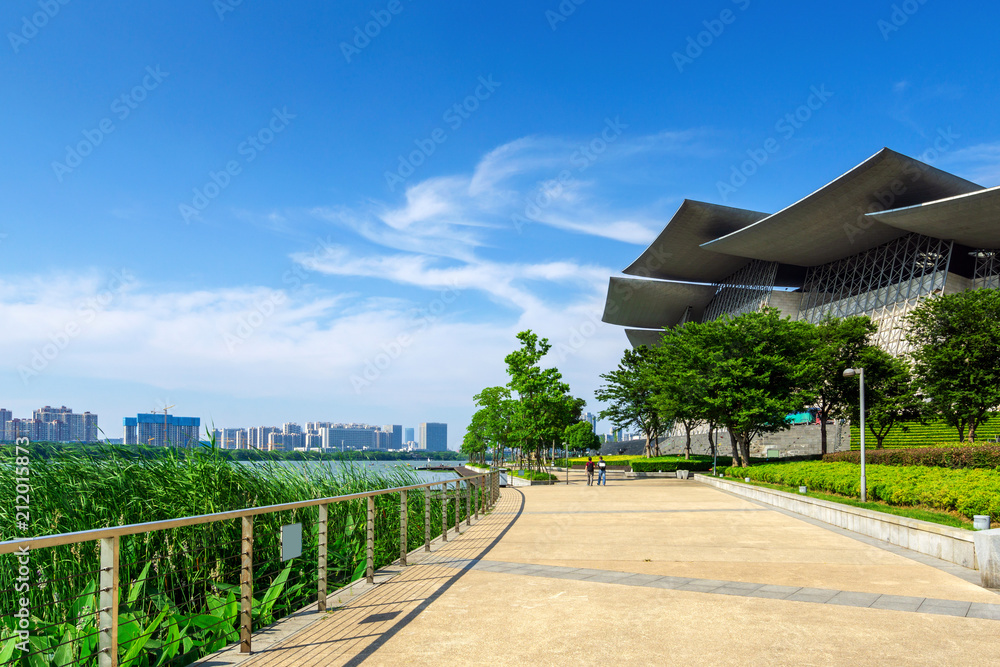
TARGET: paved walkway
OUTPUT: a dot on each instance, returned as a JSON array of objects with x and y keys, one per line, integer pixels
[{"x": 655, "y": 572}]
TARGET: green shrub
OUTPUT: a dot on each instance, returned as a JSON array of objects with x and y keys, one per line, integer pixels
[
  {"x": 534, "y": 475},
  {"x": 979, "y": 456},
  {"x": 671, "y": 465},
  {"x": 966, "y": 491}
]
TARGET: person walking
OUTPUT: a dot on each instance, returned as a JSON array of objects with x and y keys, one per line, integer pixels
[
  {"x": 590, "y": 471},
  {"x": 602, "y": 470}
]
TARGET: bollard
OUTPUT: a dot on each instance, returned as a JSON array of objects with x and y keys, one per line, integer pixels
[
  {"x": 803, "y": 489},
  {"x": 981, "y": 522}
]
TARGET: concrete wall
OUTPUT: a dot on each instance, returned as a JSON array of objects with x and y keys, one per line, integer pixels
[
  {"x": 799, "y": 440},
  {"x": 950, "y": 544}
]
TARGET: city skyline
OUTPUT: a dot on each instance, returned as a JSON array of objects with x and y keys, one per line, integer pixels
[{"x": 256, "y": 224}]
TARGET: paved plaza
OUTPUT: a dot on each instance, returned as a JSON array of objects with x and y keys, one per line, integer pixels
[{"x": 654, "y": 571}]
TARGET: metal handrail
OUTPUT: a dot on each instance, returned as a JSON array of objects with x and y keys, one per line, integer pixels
[
  {"x": 109, "y": 539},
  {"x": 62, "y": 539}
]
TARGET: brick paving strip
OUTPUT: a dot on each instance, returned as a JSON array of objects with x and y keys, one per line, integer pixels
[{"x": 740, "y": 588}]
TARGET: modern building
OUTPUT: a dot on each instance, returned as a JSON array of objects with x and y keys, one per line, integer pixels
[
  {"x": 395, "y": 432},
  {"x": 434, "y": 437},
  {"x": 162, "y": 430},
  {"x": 349, "y": 436},
  {"x": 408, "y": 435},
  {"x": 875, "y": 241},
  {"x": 53, "y": 424},
  {"x": 591, "y": 419}
]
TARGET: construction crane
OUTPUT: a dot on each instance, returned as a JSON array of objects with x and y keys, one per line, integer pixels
[{"x": 155, "y": 410}]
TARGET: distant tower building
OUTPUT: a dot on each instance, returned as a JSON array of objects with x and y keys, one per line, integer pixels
[
  {"x": 5, "y": 416},
  {"x": 91, "y": 433},
  {"x": 242, "y": 439},
  {"x": 408, "y": 435},
  {"x": 591, "y": 419},
  {"x": 434, "y": 436},
  {"x": 395, "y": 432},
  {"x": 162, "y": 430}
]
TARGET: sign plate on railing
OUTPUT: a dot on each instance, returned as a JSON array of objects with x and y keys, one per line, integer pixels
[{"x": 291, "y": 541}]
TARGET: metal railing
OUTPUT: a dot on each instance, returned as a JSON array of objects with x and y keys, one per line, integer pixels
[{"x": 478, "y": 493}]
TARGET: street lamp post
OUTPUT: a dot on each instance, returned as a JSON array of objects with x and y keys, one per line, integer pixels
[{"x": 860, "y": 372}]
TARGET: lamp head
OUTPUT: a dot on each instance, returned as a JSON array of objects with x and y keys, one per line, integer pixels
[{"x": 850, "y": 372}]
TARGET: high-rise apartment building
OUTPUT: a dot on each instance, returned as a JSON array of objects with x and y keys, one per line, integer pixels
[
  {"x": 408, "y": 435},
  {"x": 5, "y": 416},
  {"x": 162, "y": 430},
  {"x": 434, "y": 436},
  {"x": 591, "y": 419}
]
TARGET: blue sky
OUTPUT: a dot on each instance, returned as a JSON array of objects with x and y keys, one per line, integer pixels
[{"x": 257, "y": 213}]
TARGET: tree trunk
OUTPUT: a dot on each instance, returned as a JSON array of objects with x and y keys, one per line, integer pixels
[
  {"x": 744, "y": 441},
  {"x": 972, "y": 430},
  {"x": 647, "y": 450},
  {"x": 822, "y": 432},
  {"x": 687, "y": 440},
  {"x": 656, "y": 445},
  {"x": 736, "y": 450}
]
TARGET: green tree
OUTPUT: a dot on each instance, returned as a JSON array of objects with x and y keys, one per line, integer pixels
[
  {"x": 495, "y": 419},
  {"x": 746, "y": 373},
  {"x": 890, "y": 395},
  {"x": 543, "y": 406},
  {"x": 956, "y": 356},
  {"x": 628, "y": 391},
  {"x": 836, "y": 344},
  {"x": 581, "y": 437},
  {"x": 475, "y": 442}
]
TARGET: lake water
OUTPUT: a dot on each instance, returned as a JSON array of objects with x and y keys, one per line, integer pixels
[{"x": 386, "y": 466}]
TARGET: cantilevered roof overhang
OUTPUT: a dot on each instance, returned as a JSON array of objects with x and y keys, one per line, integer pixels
[
  {"x": 832, "y": 223},
  {"x": 654, "y": 304},
  {"x": 677, "y": 253},
  {"x": 971, "y": 219},
  {"x": 647, "y": 337}
]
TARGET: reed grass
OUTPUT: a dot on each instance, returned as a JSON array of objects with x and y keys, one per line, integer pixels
[{"x": 180, "y": 586}]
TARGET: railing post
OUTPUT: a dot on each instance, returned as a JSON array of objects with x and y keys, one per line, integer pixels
[
  {"x": 246, "y": 586},
  {"x": 427, "y": 518},
  {"x": 468, "y": 503},
  {"x": 370, "y": 551},
  {"x": 458, "y": 508},
  {"x": 108, "y": 617},
  {"x": 403, "y": 532},
  {"x": 444, "y": 512},
  {"x": 321, "y": 529},
  {"x": 477, "y": 487}
]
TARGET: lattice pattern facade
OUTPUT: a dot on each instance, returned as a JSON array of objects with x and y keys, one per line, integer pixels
[
  {"x": 884, "y": 283},
  {"x": 987, "y": 272},
  {"x": 745, "y": 291}
]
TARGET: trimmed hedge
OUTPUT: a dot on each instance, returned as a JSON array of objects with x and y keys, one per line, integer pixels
[
  {"x": 979, "y": 456},
  {"x": 966, "y": 491},
  {"x": 653, "y": 465}
]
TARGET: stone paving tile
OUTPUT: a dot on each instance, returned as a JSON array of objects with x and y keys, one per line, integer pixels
[
  {"x": 812, "y": 595},
  {"x": 944, "y": 607},
  {"x": 981, "y": 610},
  {"x": 697, "y": 588},
  {"x": 761, "y": 593},
  {"x": 773, "y": 588},
  {"x": 898, "y": 603},
  {"x": 640, "y": 579},
  {"x": 670, "y": 583},
  {"x": 854, "y": 599}
]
